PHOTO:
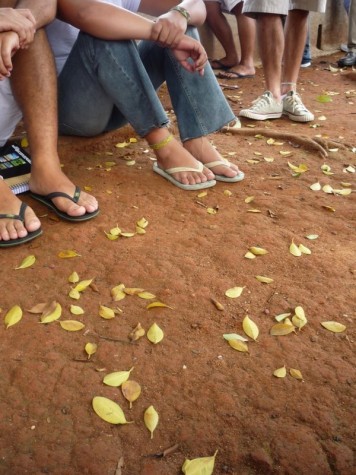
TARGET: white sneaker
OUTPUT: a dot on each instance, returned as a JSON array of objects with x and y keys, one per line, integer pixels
[
  {"x": 344, "y": 48},
  {"x": 294, "y": 108},
  {"x": 264, "y": 107}
]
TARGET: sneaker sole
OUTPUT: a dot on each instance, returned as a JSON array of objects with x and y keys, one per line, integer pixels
[
  {"x": 298, "y": 118},
  {"x": 252, "y": 115}
]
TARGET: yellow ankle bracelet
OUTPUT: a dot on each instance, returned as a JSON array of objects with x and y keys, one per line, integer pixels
[{"x": 162, "y": 143}]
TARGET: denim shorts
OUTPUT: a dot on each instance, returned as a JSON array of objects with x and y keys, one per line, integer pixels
[{"x": 281, "y": 7}]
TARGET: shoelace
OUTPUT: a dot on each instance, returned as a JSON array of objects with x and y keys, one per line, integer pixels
[
  {"x": 260, "y": 102},
  {"x": 296, "y": 103}
]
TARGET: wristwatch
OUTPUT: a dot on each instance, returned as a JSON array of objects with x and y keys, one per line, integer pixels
[{"x": 182, "y": 11}]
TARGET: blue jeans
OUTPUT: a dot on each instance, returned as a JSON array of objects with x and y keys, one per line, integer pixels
[
  {"x": 107, "y": 84},
  {"x": 307, "y": 51}
]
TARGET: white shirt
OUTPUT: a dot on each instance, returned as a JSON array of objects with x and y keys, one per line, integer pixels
[{"x": 62, "y": 37}]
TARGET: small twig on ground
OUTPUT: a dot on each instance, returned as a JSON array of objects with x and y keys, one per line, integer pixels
[
  {"x": 271, "y": 296},
  {"x": 109, "y": 338},
  {"x": 303, "y": 140},
  {"x": 165, "y": 452},
  {"x": 120, "y": 465}
]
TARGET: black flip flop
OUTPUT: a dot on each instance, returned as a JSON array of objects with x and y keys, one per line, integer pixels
[
  {"x": 233, "y": 75},
  {"x": 47, "y": 201},
  {"x": 220, "y": 65},
  {"x": 20, "y": 217}
]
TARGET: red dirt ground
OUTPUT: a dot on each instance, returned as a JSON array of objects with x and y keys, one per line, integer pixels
[{"x": 209, "y": 397}]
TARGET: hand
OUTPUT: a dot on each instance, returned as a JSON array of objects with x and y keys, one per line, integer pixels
[
  {"x": 191, "y": 55},
  {"x": 9, "y": 44},
  {"x": 169, "y": 29},
  {"x": 21, "y": 21}
]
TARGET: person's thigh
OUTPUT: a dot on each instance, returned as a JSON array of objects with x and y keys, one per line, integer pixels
[
  {"x": 309, "y": 5},
  {"x": 213, "y": 1},
  {"x": 84, "y": 107},
  {"x": 254, "y": 7}
]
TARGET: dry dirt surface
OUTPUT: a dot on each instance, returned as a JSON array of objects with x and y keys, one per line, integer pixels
[{"x": 209, "y": 396}]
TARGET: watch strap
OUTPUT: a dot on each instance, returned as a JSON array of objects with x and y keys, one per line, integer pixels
[{"x": 182, "y": 11}]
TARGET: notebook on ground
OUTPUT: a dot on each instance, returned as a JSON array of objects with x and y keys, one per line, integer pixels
[{"x": 15, "y": 167}]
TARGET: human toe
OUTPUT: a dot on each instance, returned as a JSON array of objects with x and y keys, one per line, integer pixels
[
  {"x": 208, "y": 174},
  {"x": 89, "y": 202}
]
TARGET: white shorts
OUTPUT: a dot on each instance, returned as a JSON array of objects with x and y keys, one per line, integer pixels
[
  {"x": 281, "y": 7},
  {"x": 10, "y": 114},
  {"x": 226, "y": 5}
]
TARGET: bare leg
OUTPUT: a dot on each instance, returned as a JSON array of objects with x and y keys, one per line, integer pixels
[
  {"x": 296, "y": 30},
  {"x": 37, "y": 97},
  {"x": 270, "y": 38},
  {"x": 247, "y": 34},
  {"x": 221, "y": 29}
]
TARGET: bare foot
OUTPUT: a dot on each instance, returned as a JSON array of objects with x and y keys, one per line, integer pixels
[
  {"x": 45, "y": 181},
  {"x": 203, "y": 150},
  {"x": 14, "y": 228},
  {"x": 223, "y": 63},
  {"x": 173, "y": 155},
  {"x": 240, "y": 71}
]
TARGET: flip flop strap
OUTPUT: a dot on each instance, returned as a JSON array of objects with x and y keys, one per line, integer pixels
[
  {"x": 217, "y": 163},
  {"x": 199, "y": 169},
  {"x": 60, "y": 194},
  {"x": 20, "y": 216}
]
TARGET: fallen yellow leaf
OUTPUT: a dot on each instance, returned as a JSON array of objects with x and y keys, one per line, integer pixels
[
  {"x": 71, "y": 325},
  {"x": 90, "y": 349},
  {"x": 137, "y": 332},
  {"x": 258, "y": 251},
  {"x": 53, "y": 314},
  {"x": 234, "y": 292},
  {"x": 238, "y": 345},
  {"x": 199, "y": 466},
  {"x": 106, "y": 312},
  {"x": 151, "y": 419},
  {"x": 157, "y": 304},
  {"x": 67, "y": 254},
  {"x": 280, "y": 329},
  {"x": 155, "y": 334},
  {"x": 294, "y": 250},
  {"x": 295, "y": 373},
  {"x": 280, "y": 372},
  {"x": 250, "y": 328},
  {"x": 108, "y": 410},
  {"x": 13, "y": 316},
  {"x": 334, "y": 327},
  {"x": 131, "y": 391},
  {"x": 27, "y": 262},
  {"x": 116, "y": 378},
  {"x": 146, "y": 295},
  {"x": 263, "y": 279}
]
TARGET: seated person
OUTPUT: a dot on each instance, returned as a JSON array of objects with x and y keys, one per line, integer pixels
[
  {"x": 34, "y": 98},
  {"x": 108, "y": 80}
]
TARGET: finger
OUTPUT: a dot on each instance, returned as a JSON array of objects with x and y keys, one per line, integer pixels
[
  {"x": 28, "y": 15},
  {"x": 188, "y": 66},
  {"x": 4, "y": 71}
]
